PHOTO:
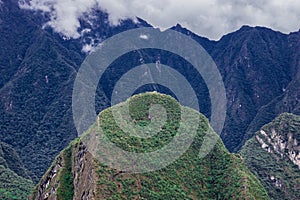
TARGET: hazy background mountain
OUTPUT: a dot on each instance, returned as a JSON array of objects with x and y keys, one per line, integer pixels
[{"x": 38, "y": 68}]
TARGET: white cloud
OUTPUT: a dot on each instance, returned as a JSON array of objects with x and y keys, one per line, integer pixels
[
  {"x": 212, "y": 18},
  {"x": 144, "y": 37}
]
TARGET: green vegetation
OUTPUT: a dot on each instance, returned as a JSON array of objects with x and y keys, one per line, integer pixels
[
  {"x": 139, "y": 106},
  {"x": 278, "y": 174},
  {"x": 13, "y": 186},
  {"x": 9, "y": 158},
  {"x": 215, "y": 177},
  {"x": 38, "y": 69},
  {"x": 14, "y": 179},
  {"x": 220, "y": 175},
  {"x": 36, "y": 114},
  {"x": 65, "y": 190}
]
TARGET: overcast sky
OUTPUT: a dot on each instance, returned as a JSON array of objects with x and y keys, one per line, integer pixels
[{"x": 209, "y": 18}]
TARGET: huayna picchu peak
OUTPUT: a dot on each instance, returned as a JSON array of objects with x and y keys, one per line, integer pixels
[{"x": 76, "y": 173}]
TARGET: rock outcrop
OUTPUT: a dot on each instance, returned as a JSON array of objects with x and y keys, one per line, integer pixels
[
  {"x": 83, "y": 172},
  {"x": 273, "y": 154}
]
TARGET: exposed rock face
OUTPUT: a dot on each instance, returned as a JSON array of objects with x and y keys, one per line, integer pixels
[
  {"x": 280, "y": 145},
  {"x": 276, "y": 181},
  {"x": 43, "y": 190},
  {"x": 83, "y": 173},
  {"x": 85, "y": 176},
  {"x": 273, "y": 154}
]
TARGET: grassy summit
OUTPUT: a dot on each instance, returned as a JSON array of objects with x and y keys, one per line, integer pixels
[{"x": 77, "y": 172}]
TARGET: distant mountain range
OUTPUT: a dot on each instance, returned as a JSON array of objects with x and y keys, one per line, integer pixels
[{"x": 259, "y": 66}]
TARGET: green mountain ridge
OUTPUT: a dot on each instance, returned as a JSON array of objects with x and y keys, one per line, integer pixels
[
  {"x": 273, "y": 155},
  {"x": 9, "y": 158},
  {"x": 77, "y": 173}
]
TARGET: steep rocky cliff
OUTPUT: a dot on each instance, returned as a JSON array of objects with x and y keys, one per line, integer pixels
[
  {"x": 273, "y": 154},
  {"x": 73, "y": 173}
]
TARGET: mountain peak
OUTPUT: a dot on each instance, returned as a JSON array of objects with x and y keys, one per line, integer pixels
[{"x": 76, "y": 173}]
